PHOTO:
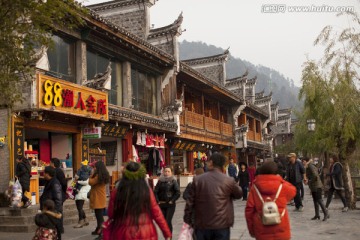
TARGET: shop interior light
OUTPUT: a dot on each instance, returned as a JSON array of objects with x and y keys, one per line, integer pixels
[
  {"x": 117, "y": 123},
  {"x": 202, "y": 144},
  {"x": 130, "y": 126}
]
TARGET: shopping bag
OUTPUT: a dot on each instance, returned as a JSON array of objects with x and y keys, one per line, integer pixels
[
  {"x": 186, "y": 232},
  {"x": 16, "y": 194}
]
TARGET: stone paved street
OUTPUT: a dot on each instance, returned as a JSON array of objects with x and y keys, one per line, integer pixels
[{"x": 340, "y": 225}]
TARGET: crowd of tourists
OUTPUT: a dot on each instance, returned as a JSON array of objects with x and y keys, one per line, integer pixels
[{"x": 134, "y": 207}]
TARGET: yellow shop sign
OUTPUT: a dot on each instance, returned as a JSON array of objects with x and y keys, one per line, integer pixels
[{"x": 62, "y": 96}]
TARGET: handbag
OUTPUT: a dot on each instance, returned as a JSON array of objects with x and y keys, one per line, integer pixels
[
  {"x": 88, "y": 194},
  {"x": 186, "y": 232}
]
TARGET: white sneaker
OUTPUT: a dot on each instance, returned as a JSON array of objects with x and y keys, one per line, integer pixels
[{"x": 345, "y": 209}]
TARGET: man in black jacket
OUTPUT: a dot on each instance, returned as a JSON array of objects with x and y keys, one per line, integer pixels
[
  {"x": 23, "y": 173},
  {"x": 59, "y": 174},
  {"x": 53, "y": 192}
]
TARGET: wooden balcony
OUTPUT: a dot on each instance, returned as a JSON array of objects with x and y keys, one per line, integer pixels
[
  {"x": 226, "y": 129},
  {"x": 195, "y": 123},
  {"x": 212, "y": 125},
  {"x": 254, "y": 136}
]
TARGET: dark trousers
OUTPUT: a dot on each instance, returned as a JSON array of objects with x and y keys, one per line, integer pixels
[
  {"x": 99, "y": 214},
  {"x": 302, "y": 193},
  {"x": 79, "y": 206},
  {"x": 168, "y": 211},
  {"x": 245, "y": 191},
  {"x": 297, "y": 198},
  {"x": 208, "y": 234},
  {"x": 318, "y": 202},
  {"x": 340, "y": 193},
  {"x": 24, "y": 199}
]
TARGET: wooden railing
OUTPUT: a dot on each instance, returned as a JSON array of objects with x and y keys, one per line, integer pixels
[
  {"x": 199, "y": 122},
  {"x": 226, "y": 129},
  {"x": 194, "y": 119},
  {"x": 212, "y": 125}
]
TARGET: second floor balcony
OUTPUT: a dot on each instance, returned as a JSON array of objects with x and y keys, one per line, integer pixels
[{"x": 200, "y": 124}]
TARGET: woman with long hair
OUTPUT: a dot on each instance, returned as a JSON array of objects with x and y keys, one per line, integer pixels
[
  {"x": 132, "y": 208},
  {"x": 98, "y": 180},
  {"x": 167, "y": 191},
  {"x": 315, "y": 186}
]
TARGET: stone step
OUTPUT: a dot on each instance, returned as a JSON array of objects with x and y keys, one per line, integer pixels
[
  {"x": 22, "y": 219},
  {"x": 17, "y": 228}
]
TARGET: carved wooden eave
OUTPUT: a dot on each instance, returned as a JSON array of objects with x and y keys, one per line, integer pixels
[
  {"x": 285, "y": 111},
  {"x": 256, "y": 110},
  {"x": 134, "y": 117},
  {"x": 274, "y": 106},
  {"x": 284, "y": 117},
  {"x": 220, "y": 58},
  {"x": 127, "y": 40},
  {"x": 251, "y": 81},
  {"x": 260, "y": 94},
  {"x": 257, "y": 145},
  {"x": 236, "y": 81},
  {"x": 193, "y": 78},
  {"x": 118, "y": 4},
  {"x": 172, "y": 29},
  {"x": 264, "y": 99}
]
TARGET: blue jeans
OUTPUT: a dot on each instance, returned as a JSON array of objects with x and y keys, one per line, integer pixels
[{"x": 209, "y": 234}]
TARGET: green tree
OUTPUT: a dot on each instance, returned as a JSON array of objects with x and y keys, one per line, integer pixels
[
  {"x": 331, "y": 97},
  {"x": 26, "y": 26}
]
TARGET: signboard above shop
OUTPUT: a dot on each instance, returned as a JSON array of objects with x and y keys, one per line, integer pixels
[
  {"x": 111, "y": 130},
  {"x": 66, "y": 97},
  {"x": 90, "y": 133}
]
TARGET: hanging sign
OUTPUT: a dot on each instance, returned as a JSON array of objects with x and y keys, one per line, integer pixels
[
  {"x": 91, "y": 133},
  {"x": 111, "y": 130}
]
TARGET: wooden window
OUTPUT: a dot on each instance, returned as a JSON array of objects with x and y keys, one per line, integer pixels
[
  {"x": 61, "y": 58},
  {"x": 258, "y": 127},
  {"x": 143, "y": 91}
]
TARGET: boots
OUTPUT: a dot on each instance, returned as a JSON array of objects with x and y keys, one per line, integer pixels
[
  {"x": 325, "y": 210},
  {"x": 317, "y": 212},
  {"x": 80, "y": 224},
  {"x": 86, "y": 222}
]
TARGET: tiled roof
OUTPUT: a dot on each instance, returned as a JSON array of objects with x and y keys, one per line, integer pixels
[
  {"x": 215, "y": 58},
  {"x": 285, "y": 110},
  {"x": 128, "y": 35},
  {"x": 189, "y": 70},
  {"x": 115, "y": 4},
  {"x": 169, "y": 29},
  {"x": 237, "y": 80}
]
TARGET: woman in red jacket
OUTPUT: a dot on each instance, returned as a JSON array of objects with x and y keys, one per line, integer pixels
[
  {"x": 268, "y": 182},
  {"x": 132, "y": 209}
]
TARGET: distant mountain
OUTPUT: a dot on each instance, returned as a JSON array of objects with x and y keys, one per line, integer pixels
[{"x": 283, "y": 89}]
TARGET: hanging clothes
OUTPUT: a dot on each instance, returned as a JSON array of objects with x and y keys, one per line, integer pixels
[
  {"x": 153, "y": 162},
  {"x": 149, "y": 141},
  {"x": 138, "y": 138},
  {"x": 143, "y": 139},
  {"x": 162, "y": 141},
  {"x": 156, "y": 141}
]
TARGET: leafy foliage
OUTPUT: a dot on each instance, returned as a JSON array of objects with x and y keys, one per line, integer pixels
[{"x": 25, "y": 27}]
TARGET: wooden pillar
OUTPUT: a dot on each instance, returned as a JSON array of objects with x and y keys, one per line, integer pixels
[
  {"x": 127, "y": 88},
  {"x": 77, "y": 141},
  {"x": 190, "y": 162}
]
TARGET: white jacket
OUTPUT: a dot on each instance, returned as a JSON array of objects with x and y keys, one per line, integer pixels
[{"x": 82, "y": 194}]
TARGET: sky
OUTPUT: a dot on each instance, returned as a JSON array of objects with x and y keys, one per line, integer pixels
[{"x": 278, "y": 34}]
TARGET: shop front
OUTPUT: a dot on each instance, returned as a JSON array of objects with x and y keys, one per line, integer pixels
[{"x": 54, "y": 127}]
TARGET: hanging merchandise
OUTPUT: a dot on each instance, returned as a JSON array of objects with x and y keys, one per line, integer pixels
[
  {"x": 149, "y": 141},
  {"x": 162, "y": 141},
  {"x": 156, "y": 141},
  {"x": 162, "y": 160},
  {"x": 138, "y": 138},
  {"x": 199, "y": 155},
  {"x": 153, "y": 162},
  {"x": 135, "y": 154},
  {"x": 194, "y": 155},
  {"x": 143, "y": 139}
]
